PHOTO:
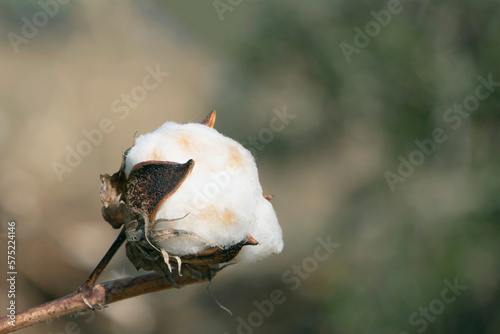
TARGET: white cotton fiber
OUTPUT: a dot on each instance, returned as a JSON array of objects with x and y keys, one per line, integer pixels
[{"x": 222, "y": 196}]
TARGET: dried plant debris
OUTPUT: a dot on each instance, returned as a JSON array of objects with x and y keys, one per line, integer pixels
[
  {"x": 189, "y": 196},
  {"x": 115, "y": 211}
]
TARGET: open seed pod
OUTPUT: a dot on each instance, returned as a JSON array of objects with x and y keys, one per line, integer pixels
[{"x": 153, "y": 196}]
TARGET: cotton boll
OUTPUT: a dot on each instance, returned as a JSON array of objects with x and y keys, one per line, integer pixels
[
  {"x": 220, "y": 201},
  {"x": 267, "y": 231}
]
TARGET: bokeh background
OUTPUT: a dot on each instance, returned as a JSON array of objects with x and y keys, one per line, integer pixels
[{"x": 327, "y": 167}]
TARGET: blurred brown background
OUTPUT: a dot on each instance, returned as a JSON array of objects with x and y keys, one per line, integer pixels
[{"x": 327, "y": 168}]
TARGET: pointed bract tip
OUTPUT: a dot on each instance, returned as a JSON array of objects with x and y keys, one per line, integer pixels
[
  {"x": 269, "y": 197},
  {"x": 209, "y": 120},
  {"x": 251, "y": 241}
]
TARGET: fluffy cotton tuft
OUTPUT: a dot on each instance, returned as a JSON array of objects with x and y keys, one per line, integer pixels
[{"x": 222, "y": 196}]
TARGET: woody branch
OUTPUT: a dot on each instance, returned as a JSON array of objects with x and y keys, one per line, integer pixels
[{"x": 101, "y": 294}]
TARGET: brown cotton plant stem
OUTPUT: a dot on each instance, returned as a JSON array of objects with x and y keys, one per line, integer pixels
[
  {"x": 100, "y": 294},
  {"x": 104, "y": 262},
  {"x": 90, "y": 296}
]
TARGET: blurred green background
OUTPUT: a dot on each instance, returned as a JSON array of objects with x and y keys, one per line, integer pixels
[{"x": 356, "y": 119}]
